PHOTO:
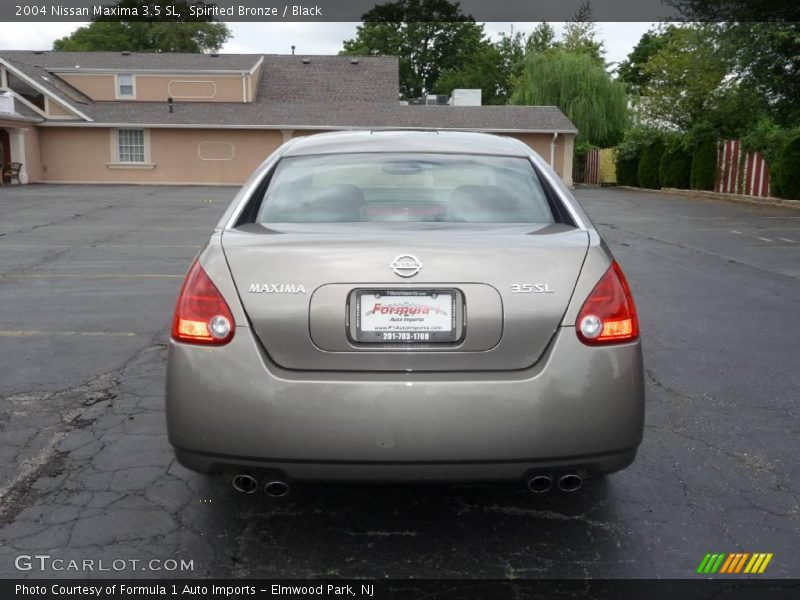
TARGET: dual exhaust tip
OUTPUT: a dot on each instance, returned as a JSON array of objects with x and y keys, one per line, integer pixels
[
  {"x": 248, "y": 484},
  {"x": 543, "y": 483},
  {"x": 538, "y": 484}
]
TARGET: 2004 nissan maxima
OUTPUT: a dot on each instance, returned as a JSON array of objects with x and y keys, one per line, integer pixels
[{"x": 405, "y": 306}]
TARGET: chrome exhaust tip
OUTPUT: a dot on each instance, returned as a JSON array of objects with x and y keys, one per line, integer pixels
[
  {"x": 276, "y": 489},
  {"x": 244, "y": 483},
  {"x": 571, "y": 482},
  {"x": 540, "y": 484}
]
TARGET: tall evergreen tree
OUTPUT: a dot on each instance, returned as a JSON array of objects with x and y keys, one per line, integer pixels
[
  {"x": 580, "y": 35},
  {"x": 541, "y": 39}
]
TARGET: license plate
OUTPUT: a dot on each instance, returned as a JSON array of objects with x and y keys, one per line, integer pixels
[{"x": 406, "y": 316}]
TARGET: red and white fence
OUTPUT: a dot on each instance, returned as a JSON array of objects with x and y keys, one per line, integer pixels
[{"x": 740, "y": 172}]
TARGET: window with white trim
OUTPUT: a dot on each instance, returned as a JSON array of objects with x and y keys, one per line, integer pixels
[
  {"x": 125, "y": 86},
  {"x": 130, "y": 146}
]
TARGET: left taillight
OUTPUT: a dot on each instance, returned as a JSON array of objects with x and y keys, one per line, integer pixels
[{"x": 201, "y": 314}]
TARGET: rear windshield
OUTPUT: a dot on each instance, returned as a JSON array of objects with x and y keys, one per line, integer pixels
[{"x": 386, "y": 187}]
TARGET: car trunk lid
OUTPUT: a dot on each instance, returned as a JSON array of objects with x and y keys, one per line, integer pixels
[{"x": 511, "y": 285}]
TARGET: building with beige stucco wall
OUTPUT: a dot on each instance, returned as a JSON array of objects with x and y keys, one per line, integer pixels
[{"x": 211, "y": 119}]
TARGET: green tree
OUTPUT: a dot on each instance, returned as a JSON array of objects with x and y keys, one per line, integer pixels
[
  {"x": 146, "y": 33},
  {"x": 629, "y": 152},
  {"x": 494, "y": 68},
  {"x": 580, "y": 36},
  {"x": 628, "y": 170},
  {"x": 541, "y": 39},
  {"x": 766, "y": 62},
  {"x": 727, "y": 73},
  {"x": 742, "y": 11},
  {"x": 429, "y": 36},
  {"x": 631, "y": 70},
  {"x": 762, "y": 42},
  {"x": 704, "y": 157},
  {"x": 768, "y": 138},
  {"x": 581, "y": 88},
  {"x": 785, "y": 181},
  {"x": 483, "y": 70},
  {"x": 648, "y": 170},
  {"x": 676, "y": 163},
  {"x": 685, "y": 79},
  {"x": 512, "y": 54}
]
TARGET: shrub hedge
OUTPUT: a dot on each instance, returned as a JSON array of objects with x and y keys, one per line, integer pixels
[
  {"x": 649, "y": 163},
  {"x": 627, "y": 170},
  {"x": 676, "y": 165},
  {"x": 704, "y": 165},
  {"x": 785, "y": 174}
]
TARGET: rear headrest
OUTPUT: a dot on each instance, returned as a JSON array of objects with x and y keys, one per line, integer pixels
[
  {"x": 487, "y": 203},
  {"x": 330, "y": 203}
]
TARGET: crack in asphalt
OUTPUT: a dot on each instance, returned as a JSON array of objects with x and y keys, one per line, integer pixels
[
  {"x": 51, "y": 256},
  {"x": 740, "y": 456},
  {"x": 61, "y": 221},
  {"x": 552, "y": 515},
  {"x": 89, "y": 393}
]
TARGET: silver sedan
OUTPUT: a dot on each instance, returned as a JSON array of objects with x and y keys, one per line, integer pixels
[{"x": 403, "y": 306}]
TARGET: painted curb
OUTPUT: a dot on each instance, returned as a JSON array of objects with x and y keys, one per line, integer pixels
[{"x": 739, "y": 198}]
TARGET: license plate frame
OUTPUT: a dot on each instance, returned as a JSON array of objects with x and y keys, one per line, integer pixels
[{"x": 406, "y": 331}]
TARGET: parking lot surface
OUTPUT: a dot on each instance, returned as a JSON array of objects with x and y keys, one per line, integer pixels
[{"x": 88, "y": 279}]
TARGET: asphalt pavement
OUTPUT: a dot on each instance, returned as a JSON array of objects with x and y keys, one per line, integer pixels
[{"x": 88, "y": 279}]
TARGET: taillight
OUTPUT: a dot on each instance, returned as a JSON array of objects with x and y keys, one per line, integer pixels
[
  {"x": 609, "y": 315},
  {"x": 201, "y": 314}
]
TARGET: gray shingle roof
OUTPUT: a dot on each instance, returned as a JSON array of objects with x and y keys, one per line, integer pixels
[
  {"x": 336, "y": 114},
  {"x": 135, "y": 61},
  {"x": 26, "y": 113},
  {"x": 294, "y": 92},
  {"x": 329, "y": 78}
]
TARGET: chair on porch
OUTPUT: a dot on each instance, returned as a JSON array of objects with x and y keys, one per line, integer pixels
[{"x": 11, "y": 171}]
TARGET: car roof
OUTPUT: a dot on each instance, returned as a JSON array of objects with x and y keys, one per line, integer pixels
[{"x": 382, "y": 140}]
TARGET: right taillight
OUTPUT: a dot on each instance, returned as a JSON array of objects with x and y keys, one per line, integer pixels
[
  {"x": 201, "y": 314},
  {"x": 609, "y": 315}
]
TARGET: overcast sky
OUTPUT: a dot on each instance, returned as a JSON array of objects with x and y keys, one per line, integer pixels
[{"x": 310, "y": 38}]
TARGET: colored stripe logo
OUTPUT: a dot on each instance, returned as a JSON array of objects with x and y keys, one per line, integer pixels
[{"x": 735, "y": 563}]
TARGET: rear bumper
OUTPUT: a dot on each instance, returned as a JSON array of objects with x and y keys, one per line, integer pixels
[
  {"x": 579, "y": 408},
  {"x": 403, "y": 472}
]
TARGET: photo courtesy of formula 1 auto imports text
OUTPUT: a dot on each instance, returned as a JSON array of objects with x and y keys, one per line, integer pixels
[{"x": 399, "y": 299}]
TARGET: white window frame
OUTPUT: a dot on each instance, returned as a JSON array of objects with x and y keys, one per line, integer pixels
[
  {"x": 120, "y": 96},
  {"x": 115, "y": 153}
]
